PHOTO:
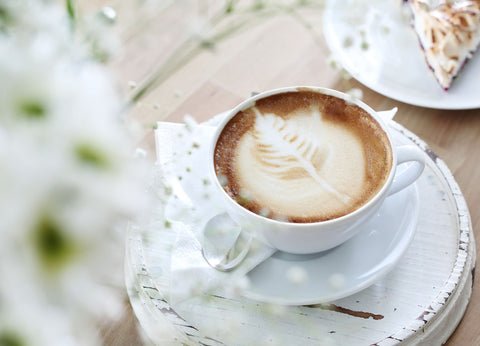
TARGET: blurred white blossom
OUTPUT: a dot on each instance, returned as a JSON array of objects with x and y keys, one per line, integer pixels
[
  {"x": 28, "y": 19},
  {"x": 68, "y": 179},
  {"x": 238, "y": 287},
  {"x": 337, "y": 281},
  {"x": 355, "y": 93},
  {"x": 297, "y": 275},
  {"x": 97, "y": 35}
]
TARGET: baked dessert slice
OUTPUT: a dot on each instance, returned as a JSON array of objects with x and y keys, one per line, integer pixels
[{"x": 449, "y": 33}]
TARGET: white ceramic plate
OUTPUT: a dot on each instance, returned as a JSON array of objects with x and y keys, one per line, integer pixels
[{"x": 393, "y": 64}]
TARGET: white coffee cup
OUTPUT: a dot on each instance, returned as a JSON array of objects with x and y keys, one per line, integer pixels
[{"x": 305, "y": 238}]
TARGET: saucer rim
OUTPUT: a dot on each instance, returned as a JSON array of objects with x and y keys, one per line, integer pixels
[{"x": 383, "y": 270}]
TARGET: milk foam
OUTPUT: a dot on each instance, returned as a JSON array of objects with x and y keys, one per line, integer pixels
[{"x": 301, "y": 165}]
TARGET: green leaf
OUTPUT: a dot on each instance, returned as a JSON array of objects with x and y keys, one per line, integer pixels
[
  {"x": 10, "y": 339},
  {"x": 33, "y": 109},
  {"x": 52, "y": 244},
  {"x": 230, "y": 6},
  {"x": 71, "y": 10},
  {"x": 258, "y": 5},
  {"x": 86, "y": 153},
  {"x": 5, "y": 20}
]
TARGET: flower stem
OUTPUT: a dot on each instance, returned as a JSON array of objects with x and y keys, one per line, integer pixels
[
  {"x": 71, "y": 10},
  {"x": 193, "y": 46}
]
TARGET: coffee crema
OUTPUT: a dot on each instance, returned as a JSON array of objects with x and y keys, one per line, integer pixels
[{"x": 302, "y": 157}]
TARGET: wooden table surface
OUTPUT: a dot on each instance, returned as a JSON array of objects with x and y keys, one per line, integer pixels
[{"x": 278, "y": 52}]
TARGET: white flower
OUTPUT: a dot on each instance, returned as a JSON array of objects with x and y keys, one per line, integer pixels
[
  {"x": 355, "y": 93},
  {"x": 190, "y": 122},
  {"x": 97, "y": 35},
  {"x": 238, "y": 286},
  {"x": 201, "y": 29},
  {"x": 27, "y": 18},
  {"x": 68, "y": 179},
  {"x": 28, "y": 317},
  {"x": 276, "y": 310},
  {"x": 333, "y": 62},
  {"x": 297, "y": 275},
  {"x": 337, "y": 281},
  {"x": 21, "y": 324}
]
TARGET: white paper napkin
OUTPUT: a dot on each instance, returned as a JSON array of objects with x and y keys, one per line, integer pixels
[{"x": 182, "y": 152}]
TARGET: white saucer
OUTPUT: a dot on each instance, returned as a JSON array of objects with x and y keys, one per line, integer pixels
[
  {"x": 393, "y": 64},
  {"x": 346, "y": 269},
  {"x": 331, "y": 275}
]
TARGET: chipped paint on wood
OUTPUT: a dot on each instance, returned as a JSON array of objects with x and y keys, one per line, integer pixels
[{"x": 350, "y": 312}]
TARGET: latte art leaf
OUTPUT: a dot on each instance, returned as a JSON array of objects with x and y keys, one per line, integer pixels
[{"x": 284, "y": 150}]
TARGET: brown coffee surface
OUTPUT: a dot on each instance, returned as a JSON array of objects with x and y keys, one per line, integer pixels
[{"x": 302, "y": 157}]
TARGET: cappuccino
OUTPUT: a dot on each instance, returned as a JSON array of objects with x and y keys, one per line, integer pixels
[{"x": 302, "y": 157}]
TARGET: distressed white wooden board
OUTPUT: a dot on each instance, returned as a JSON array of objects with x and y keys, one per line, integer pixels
[{"x": 420, "y": 302}]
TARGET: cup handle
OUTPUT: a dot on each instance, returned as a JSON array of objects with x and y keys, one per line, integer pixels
[
  {"x": 407, "y": 153},
  {"x": 219, "y": 249}
]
